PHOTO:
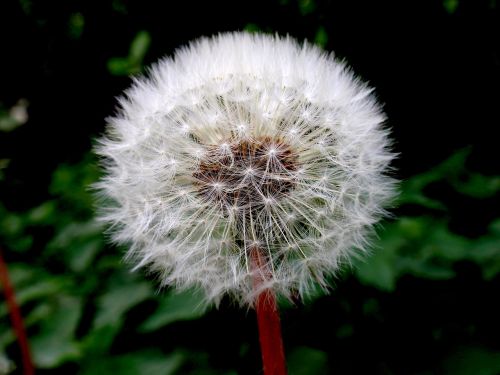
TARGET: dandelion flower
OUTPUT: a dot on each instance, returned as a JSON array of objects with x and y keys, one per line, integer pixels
[{"x": 242, "y": 143}]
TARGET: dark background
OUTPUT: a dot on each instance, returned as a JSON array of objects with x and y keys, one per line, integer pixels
[{"x": 425, "y": 303}]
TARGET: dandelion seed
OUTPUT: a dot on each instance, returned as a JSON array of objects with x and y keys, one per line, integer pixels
[{"x": 246, "y": 149}]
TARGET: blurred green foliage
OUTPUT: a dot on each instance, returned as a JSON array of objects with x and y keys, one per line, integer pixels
[
  {"x": 424, "y": 246},
  {"x": 131, "y": 64}
]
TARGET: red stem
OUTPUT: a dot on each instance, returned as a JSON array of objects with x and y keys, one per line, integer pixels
[
  {"x": 268, "y": 319},
  {"x": 16, "y": 318}
]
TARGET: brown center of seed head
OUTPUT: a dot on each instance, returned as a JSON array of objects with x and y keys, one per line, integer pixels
[{"x": 246, "y": 174}]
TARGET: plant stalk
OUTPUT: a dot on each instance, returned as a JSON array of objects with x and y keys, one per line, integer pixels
[
  {"x": 268, "y": 319},
  {"x": 16, "y": 317}
]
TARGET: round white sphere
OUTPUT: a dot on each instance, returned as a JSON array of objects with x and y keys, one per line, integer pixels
[{"x": 245, "y": 141}]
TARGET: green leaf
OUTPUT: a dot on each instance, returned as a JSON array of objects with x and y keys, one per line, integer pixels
[
  {"x": 477, "y": 185},
  {"x": 494, "y": 227},
  {"x": 412, "y": 189},
  {"x": 43, "y": 214},
  {"x": 99, "y": 340},
  {"x": 55, "y": 343},
  {"x": 79, "y": 242},
  {"x": 423, "y": 247},
  {"x": 186, "y": 305},
  {"x": 444, "y": 244},
  {"x": 486, "y": 251},
  {"x": 11, "y": 224},
  {"x": 7, "y": 336},
  {"x": 33, "y": 285},
  {"x": 307, "y": 361},
  {"x": 321, "y": 38},
  {"x": 71, "y": 182},
  {"x": 139, "y": 47},
  {"x": 84, "y": 254},
  {"x": 306, "y": 6},
  {"x": 21, "y": 273},
  {"x": 138, "y": 363},
  {"x": 43, "y": 288},
  {"x": 113, "y": 305},
  {"x": 427, "y": 270},
  {"x": 13, "y": 232},
  {"x": 379, "y": 270},
  {"x": 450, "y": 5},
  {"x": 133, "y": 62},
  {"x": 252, "y": 27},
  {"x": 76, "y": 24},
  {"x": 120, "y": 66},
  {"x": 473, "y": 361},
  {"x": 40, "y": 312}
]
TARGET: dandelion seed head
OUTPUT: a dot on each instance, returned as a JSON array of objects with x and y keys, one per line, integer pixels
[{"x": 241, "y": 141}]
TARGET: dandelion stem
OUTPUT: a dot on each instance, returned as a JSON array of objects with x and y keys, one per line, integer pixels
[
  {"x": 16, "y": 318},
  {"x": 268, "y": 319}
]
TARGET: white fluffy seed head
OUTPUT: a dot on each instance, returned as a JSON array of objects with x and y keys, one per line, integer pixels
[{"x": 245, "y": 140}]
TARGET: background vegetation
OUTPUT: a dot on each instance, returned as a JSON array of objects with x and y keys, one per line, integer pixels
[{"x": 425, "y": 303}]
